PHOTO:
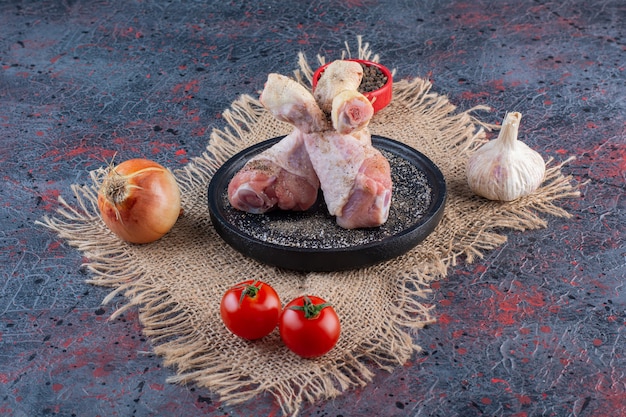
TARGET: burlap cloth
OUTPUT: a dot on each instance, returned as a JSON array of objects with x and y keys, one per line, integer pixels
[{"x": 178, "y": 281}]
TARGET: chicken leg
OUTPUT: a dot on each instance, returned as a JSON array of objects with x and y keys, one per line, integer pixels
[
  {"x": 279, "y": 177},
  {"x": 354, "y": 176}
]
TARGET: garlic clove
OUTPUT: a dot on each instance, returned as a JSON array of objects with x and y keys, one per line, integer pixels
[{"x": 505, "y": 168}]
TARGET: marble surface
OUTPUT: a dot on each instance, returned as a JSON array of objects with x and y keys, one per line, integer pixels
[{"x": 535, "y": 328}]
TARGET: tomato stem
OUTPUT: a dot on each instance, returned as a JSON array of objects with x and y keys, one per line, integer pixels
[
  {"x": 310, "y": 310},
  {"x": 250, "y": 290}
]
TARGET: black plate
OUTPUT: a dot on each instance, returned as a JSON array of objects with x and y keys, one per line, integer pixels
[{"x": 310, "y": 240}]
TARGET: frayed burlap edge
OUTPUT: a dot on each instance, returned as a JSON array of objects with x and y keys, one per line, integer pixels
[{"x": 166, "y": 322}]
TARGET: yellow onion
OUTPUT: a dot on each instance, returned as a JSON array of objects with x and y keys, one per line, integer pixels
[{"x": 139, "y": 200}]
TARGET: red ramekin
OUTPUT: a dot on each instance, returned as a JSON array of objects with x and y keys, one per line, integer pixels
[{"x": 379, "y": 98}]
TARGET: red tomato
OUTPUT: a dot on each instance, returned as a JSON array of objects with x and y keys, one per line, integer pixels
[
  {"x": 309, "y": 326},
  {"x": 250, "y": 309}
]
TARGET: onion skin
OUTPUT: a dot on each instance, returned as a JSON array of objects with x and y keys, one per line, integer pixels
[{"x": 139, "y": 200}]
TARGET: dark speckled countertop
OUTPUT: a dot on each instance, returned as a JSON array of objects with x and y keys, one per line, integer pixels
[{"x": 536, "y": 328}]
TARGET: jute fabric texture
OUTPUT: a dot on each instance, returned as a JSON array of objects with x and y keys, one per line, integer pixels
[{"x": 178, "y": 281}]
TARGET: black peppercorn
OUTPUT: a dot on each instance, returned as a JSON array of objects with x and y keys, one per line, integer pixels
[{"x": 373, "y": 79}]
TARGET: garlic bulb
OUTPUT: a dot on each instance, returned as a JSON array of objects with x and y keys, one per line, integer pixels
[{"x": 505, "y": 169}]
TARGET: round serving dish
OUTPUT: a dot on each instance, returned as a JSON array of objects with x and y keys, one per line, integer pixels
[
  {"x": 379, "y": 98},
  {"x": 311, "y": 240}
]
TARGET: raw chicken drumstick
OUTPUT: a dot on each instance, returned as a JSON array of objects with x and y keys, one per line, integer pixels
[
  {"x": 351, "y": 111},
  {"x": 291, "y": 102},
  {"x": 338, "y": 76},
  {"x": 354, "y": 176},
  {"x": 279, "y": 177}
]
